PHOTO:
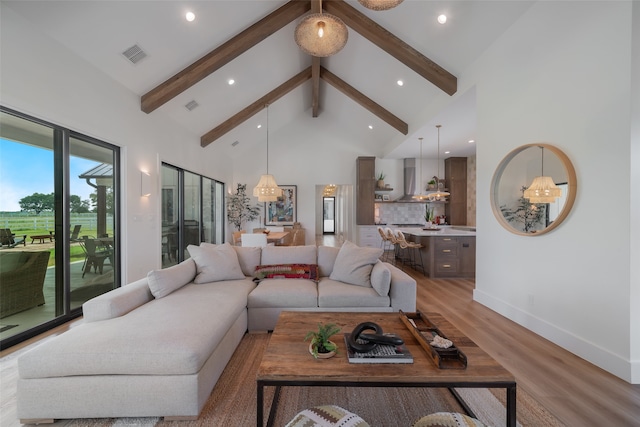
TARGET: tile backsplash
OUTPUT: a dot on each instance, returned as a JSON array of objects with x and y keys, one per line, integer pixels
[{"x": 403, "y": 213}]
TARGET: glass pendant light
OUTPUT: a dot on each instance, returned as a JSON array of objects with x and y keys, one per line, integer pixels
[
  {"x": 438, "y": 196},
  {"x": 421, "y": 196}
]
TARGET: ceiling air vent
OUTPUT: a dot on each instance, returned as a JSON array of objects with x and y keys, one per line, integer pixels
[
  {"x": 135, "y": 54},
  {"x": 234, "y": 143},
  {"x": 191, "y": 105}
]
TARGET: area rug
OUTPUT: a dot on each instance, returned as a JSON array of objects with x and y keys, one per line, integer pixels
[{"x": 233, "y": 400}]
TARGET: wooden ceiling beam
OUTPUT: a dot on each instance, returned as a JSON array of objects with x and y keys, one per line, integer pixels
[
  {"x": 255, "y": 107},
  {"x": 315, "y": 86},
  {"x": 363, "y": 100},
  {"x": 223, "y": 54},
  {"x": 315, "y": 72},
  {"x": 395, "y": 47}
]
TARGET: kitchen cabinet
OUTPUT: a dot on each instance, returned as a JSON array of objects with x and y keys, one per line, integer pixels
[
  {"x": 455, "y": 175},
  {"x": 448, "y": 256},
  {"x": 368, "y": 236},
  {"x": 365, "y": 190}
]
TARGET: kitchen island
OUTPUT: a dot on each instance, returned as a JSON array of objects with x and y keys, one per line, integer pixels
[{"x": 447, "y": 251}]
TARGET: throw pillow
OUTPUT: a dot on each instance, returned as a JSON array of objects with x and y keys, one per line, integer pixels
[
  {"x": 381, "y": 278},
  {"x": 163, "y": 282},
  {"x": 287, "y": 271},
  {"x": 215, "y": 263},
  {"x": 354, "y": 264},
  {"x": 248, "y": 257}
]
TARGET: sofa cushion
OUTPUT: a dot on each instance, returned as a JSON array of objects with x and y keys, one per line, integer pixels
[
  {"x": 354, "y": 264},
  {"x": 326, "y": 259},
  {"x": 248, "y": 257},
  {"x": 215, "y": 263},
  {"x": 174, "y": 335},
  {"x": 163, "y": 282},
  {"x": 333, "y": 293},
  {"x": 284, "y": 293},
  {"x": 287, "y": 271},
  {"x": 381, "y": 278},
  {"x": 289, "y": 255},
  {"x": 117, "y": 302}
]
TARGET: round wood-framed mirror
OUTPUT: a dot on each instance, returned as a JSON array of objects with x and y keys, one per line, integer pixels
[{"x": 515, "y": 173}]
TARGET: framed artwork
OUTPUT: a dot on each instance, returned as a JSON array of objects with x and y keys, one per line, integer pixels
[{"x": 283, "y": 210}]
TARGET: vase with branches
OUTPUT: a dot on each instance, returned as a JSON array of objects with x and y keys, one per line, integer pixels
[
  {"x": 240, "y": 209},
  {"x": 527, "y": 214}
]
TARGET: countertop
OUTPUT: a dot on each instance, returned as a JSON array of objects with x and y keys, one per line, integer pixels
[{"x": 446, "y": 230}]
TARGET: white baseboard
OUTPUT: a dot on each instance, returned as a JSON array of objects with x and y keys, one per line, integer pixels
[{"x": 601, "y": 357}]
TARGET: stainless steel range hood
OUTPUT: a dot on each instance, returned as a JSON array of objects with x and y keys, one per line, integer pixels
[{"x": 409, "y": 182}]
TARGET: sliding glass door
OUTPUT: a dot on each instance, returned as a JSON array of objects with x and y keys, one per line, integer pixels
[
  {"x": 58, "y": 224},
  {"x": 192, "y": 212}
]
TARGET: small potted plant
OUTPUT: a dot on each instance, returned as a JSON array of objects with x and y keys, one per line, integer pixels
[
  {"x": 381, "y": 177},
  {"x": 321, "y": 347},
  {"x": 432, "y": 185}
]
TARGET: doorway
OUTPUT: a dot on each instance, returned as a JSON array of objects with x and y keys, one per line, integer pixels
[{"x": 329, "y": 215}]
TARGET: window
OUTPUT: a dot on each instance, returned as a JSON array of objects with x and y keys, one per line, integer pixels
[
  {"x": 58, "y": 214},
  {"x": 192, "y": 212}
]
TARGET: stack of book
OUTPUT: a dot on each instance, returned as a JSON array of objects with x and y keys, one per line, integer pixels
[{"x": 379, "y": 354}]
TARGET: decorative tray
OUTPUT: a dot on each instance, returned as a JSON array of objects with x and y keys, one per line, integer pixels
[{"x": 424, "y": 331}]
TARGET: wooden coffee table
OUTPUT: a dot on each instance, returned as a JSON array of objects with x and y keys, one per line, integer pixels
[{"x": 287, "y": 361}]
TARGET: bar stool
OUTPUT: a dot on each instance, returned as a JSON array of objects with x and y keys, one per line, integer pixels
[
  {"x": 393, "y": 241},
  {"x": 385, "y": 244},
  {"x": 411, "y": 249}
]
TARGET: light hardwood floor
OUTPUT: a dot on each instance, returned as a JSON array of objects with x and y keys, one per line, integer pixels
[{"x": 575, "y": 391}]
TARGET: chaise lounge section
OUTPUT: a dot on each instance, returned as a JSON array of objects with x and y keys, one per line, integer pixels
[{"x": 156, "y": 347}]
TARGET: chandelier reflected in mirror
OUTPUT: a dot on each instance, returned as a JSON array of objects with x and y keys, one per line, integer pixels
[
  {"x": 542, "y": 189},
  {"x": 321, "y": 34}
]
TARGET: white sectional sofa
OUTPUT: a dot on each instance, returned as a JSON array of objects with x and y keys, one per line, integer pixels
[{"x": 157, "y": 346}]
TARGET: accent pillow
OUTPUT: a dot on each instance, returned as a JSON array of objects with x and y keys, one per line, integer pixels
[
  {"x": 381, "y": 278},
  {"x": 163, "y": 282},
  {"x": 354, "y": 264},
  {"x": 248, "y": 257},
  {"x": 287, "y": 271},
  {"x": 215, "y": 263}
]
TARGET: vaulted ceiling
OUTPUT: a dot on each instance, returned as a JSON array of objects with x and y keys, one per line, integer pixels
[{"x": 252, "y": 43}]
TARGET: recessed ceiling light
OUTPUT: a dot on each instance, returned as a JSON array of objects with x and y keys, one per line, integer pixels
[
  {"x": 471, "y": 141},
  {"x": 447, "y": 152},
  {"x": 442, "y": 18},
  {"x": 400, "y": 83},
  {"x": 190, "y": 16},
  {"x": 231, "y": 81},
  {"x": 370, "y": 126},
  {"x": 259, "y": 126}
]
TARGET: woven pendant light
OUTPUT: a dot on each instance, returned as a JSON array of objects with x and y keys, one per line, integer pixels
[
  {"x": 321, "y": 34},
  {"x": 380, "y": 4},
  {"x": 267, "y": 189}
]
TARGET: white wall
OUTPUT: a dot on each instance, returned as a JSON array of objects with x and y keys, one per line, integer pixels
[
  {"x": 41, "y": 78},
  {"x": 562, "y": 75}
]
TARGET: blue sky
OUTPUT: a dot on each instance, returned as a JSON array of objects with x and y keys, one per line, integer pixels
[{"x": 25, "y": 169}]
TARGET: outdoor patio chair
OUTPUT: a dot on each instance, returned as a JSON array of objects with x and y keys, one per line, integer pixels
[
  {"x": 7, "y": 238},
  {"x": 75, "y": 233},
  {"x": 95, "y": 254}
]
